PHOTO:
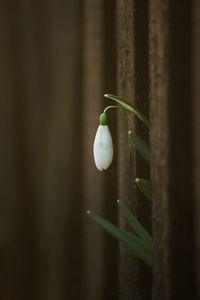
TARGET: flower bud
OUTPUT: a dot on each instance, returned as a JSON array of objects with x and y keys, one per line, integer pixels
[
  {"x": 103, "y": 146},
  {"x": 103, "y": 119}
]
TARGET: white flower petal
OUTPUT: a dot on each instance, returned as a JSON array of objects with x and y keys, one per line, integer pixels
[{"x": 103, "y": 148}]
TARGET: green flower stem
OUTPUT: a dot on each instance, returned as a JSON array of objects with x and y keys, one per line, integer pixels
[{"x": 113, "y": 106}]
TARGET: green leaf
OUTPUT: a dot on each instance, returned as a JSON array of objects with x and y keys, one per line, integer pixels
[
  {"x": 139, "y": 229},
  {"x": 128, "y": 239},
  {"x": 128, "y": 107},
  {"x": 145, "y": 187},
  {"x": 141, "y": 146}
]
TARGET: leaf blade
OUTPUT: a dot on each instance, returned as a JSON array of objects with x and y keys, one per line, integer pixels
[
  {"x": 145, "y": 187},
  {"x": 128, "y": 107},
  {"x": 131, "y": 241},
  {"x": 139, "y": 229},
  {"x": 141, "y": 146}
]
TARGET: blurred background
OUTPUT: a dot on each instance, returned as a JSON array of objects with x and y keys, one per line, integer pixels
[
  {"x": 57, "y": 60},
  {"x": 49, "y": 249}
]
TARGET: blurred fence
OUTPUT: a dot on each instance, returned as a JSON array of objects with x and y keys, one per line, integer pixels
[{"x": 58, "y": 58}]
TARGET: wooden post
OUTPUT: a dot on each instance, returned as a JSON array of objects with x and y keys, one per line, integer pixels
[
  {"x": 171, "y": 140},
  {"x": 132, "y": 84}
]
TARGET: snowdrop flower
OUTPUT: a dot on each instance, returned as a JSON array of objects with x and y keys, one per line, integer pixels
[{"x": 103, "y": 145}]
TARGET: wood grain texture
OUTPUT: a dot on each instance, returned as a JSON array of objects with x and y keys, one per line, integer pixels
[
  {"x": 159, "y": 140},
  {"x": 132, "y": 84},
  {"x": 171, "y": 140},
  {"x": 125, "y": 151}
]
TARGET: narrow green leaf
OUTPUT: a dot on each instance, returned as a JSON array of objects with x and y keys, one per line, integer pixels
[
  {"x": 145, "y": 187},
  {"x": 129, "y": 107},
  {"x": 139, "y": 229},
  {"x": 141, "y": 146},
  {"x": 128, "y": 239}
]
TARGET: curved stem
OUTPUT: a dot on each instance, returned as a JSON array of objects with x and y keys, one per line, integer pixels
[
  {"x": 129, "y": 107},
  {"x": 113, "y": 106},
  {"x": 136, "y": 112}
]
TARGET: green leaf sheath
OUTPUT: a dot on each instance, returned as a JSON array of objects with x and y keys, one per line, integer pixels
[
  {"x": 128, "y": 107},
  {"x": 130, "y": 240},
  {"x": 139, "y": 229},
  {"x": 145, "y": 187},
  {"x": 141, "y": 146}
]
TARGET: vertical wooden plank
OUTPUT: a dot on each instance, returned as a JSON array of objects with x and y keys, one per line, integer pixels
[
  {"x": 159, "y": 77},
  {"x": 125, "y": 82},
  {"x": 132, "y": 83},
  {"x": 171, "y": 139},
  {"x": 196, "y": 126}
]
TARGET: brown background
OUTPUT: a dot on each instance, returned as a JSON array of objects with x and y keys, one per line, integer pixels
[{"x": 57, "y": 59}]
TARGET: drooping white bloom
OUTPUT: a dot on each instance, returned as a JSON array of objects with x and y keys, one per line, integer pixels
[{"x": 103, "y": 148}]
